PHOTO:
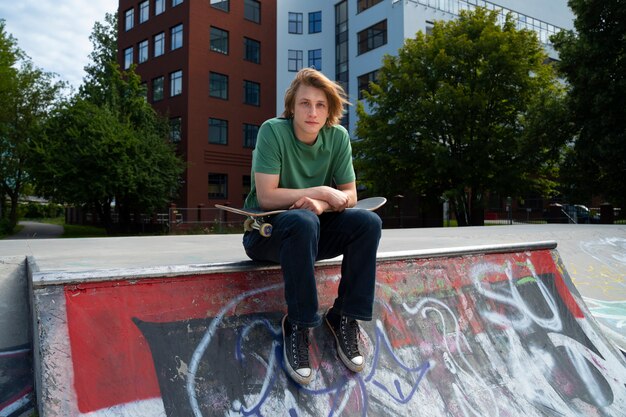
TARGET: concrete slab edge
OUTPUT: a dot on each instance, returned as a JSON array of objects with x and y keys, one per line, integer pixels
[{"x": 40, "y": 279}]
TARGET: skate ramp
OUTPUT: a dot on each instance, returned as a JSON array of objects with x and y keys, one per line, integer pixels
[
  {"x": 16, "y": 379},
  {"x": 481, "y": 331}
]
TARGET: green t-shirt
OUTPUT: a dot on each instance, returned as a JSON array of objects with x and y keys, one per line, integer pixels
[{"x": 327, "y": 162}]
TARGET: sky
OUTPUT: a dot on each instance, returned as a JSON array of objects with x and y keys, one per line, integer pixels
[{"x": 55, "y": 33}]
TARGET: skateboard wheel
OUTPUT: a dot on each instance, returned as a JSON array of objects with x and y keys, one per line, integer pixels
[
  {"x": 247, "y": 225},
  {"x": 265, "y": 230}
]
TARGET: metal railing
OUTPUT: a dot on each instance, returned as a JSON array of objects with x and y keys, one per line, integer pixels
[{"x": 543, "y": 29}]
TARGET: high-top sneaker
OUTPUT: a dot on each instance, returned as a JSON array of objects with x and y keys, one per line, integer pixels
[
  {"x": 346, "y": 332},
  {"x": 296, "y": 352}
]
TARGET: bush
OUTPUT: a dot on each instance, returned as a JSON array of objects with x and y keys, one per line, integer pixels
[
  {"x": 5, "y": 227},
  {"x": 33, "y": 210}
]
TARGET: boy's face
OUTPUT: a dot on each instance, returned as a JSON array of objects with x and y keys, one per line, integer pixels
[{"x": 310, "y": 113}]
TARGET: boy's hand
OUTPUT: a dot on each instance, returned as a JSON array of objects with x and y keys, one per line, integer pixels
[
  {"x": 336, "y": 199},
  {"x": 307, "y": 203}
]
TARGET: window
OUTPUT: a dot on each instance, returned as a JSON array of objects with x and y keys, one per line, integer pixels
[
  {"x": 249, "y": 135},
  {"x": 429, "y": 27},
  {"x": 177, "y": 37},
  {"x": 252, "y": 10},
  {"x": 157, "y": 89},
  {"x": 364, "y": 82},
  {"x": 315, "y": 22},
  {"x": 176, "y": 83},
  {"x": 295, "y": 23},
  {"x": 342, "y": 60},
  {"x": 294, "y": 60},
  {"x": 175, "y": 129},
  {"x": 159, "y": 7},
  {"x": 143, "y": 51},
  {"x": 129, "y": 19},
  {"x": 365, "y": 4},
  {"x": 128, "y": 57},
  {"x": 251, "y": 93},
  {"x": 218, "y": 131},
  {"x": 252, "y": 50},
  {"x": 218, "y": 85},
  {"x": 218, "y": 185},
  {"x": 221, "y": 4},
  {"x": 176, "y": 2},
  {"x": 372, "y": 37},
  {"x": 246, "y": 186},
  {"x": 341, "y": 39},
  {"x": 159, "y": 44},
  {"x": 315, "y": 59},
  {"x": 144, "y": 11},
  {"x": 219, "y": 40}
]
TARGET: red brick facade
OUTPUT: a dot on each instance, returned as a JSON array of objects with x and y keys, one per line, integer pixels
[{"x": 228, "y": 162}]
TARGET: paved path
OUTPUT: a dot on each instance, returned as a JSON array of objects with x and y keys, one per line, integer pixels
[{"x": 37, "y": 230}]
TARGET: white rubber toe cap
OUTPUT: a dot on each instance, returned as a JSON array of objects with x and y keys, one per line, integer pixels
[{"x": 357, "y": 360}]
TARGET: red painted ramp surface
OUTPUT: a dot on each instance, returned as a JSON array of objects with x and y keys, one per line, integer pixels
[{"x": 483, "y": 334}]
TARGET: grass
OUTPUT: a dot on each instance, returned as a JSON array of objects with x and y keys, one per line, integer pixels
[{"x": 76, "y": 231}]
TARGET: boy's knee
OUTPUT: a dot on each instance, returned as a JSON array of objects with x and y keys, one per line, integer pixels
[
  {"x": 302, "y": 220},
  {"x": 370, "y": 220}
]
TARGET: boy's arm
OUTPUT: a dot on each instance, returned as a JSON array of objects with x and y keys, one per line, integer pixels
[{"x": 316, "y": 199}]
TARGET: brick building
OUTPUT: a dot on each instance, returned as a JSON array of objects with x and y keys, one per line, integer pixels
[{"x": 210, "y": 67}]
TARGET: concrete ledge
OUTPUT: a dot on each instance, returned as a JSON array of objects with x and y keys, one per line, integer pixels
[{"x": 46, "y": 278}]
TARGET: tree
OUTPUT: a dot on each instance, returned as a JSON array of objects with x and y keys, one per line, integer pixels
[
  {"x": 90, "y": 158},
  {"x": 462, "y": 112},
  {"x": 28, "y": 95},
  {"x": 107, "y": 145},
  {"x": 9, "y": 55},
  {"x": 101, "y": 70},
  {"x": 593, "y": 61}
]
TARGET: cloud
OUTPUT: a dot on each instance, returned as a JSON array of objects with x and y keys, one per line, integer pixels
[{"x": 55, "y": 34}]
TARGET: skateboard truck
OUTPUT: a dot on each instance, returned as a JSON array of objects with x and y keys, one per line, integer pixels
[{"x": 257, "y": 223}]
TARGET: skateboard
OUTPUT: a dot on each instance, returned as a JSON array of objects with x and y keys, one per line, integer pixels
[{"x": 257, "y": 219}]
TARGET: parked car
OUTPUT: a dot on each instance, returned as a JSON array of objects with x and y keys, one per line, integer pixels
[{"x": 581, "y": 214}]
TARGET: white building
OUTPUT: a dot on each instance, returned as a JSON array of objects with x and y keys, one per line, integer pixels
[{"x": 347, "y": 39}]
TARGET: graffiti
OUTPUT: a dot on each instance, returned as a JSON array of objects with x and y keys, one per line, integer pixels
[
  {"x": 15, "y": 381},
  {"x": 607, "y": 274},
  {"x": 611, "y": 316},
  {"x": 256, "y": 357},
  {"x": 495, "y": 335},
  {"x": 524, "y": 311},
  {"x": 608, "y": 251},
  {"x": 608, "y": 280},
  {"x": 612, "y": 311}
]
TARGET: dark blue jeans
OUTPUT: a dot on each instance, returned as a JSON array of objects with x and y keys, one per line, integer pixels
[{"x": 299, "y": 238}]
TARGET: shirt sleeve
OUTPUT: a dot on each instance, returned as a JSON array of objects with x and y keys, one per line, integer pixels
[
  {"x": 267, "y": 157},
  {"x": 344, "y": 170}
]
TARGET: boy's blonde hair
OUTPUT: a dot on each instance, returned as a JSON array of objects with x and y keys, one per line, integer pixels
[{"x": 335, "y": 94}]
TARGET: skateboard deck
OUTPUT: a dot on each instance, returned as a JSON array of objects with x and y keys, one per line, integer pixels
[{"x": 255, "y": 218}]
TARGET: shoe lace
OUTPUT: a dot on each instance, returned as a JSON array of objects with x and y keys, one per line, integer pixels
[
  {"x": 300, "y": 346},
  {"x": 350, "y": 331}
]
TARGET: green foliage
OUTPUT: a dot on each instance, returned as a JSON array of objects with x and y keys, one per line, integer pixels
[
  {"x": 466, "y": 110},
  {"x": 107, "y": 145},
  {"x": 33, "y": 210},
  {"x": 593, "y": 61},
  {"x": 91, "y": 157},
  {"x": 27, "y": 95},
  {"x": 102, "y": 69}
]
